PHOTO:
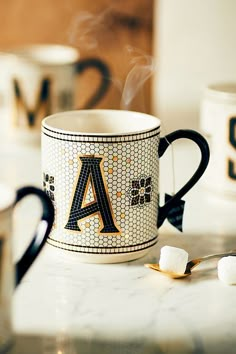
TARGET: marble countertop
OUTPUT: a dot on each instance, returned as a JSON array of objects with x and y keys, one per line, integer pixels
[
  {"x": 63, "y": 306},
  {"x": 67, "y": 307}
]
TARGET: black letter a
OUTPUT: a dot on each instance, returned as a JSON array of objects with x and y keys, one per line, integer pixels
[{"x": 91, "y": 171}]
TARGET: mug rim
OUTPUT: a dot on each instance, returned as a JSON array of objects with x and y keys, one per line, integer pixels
[
  {"x": 40, "y": 54},
  {"x": 154, "y": 122},
  {"x": 222, "y": 90}
]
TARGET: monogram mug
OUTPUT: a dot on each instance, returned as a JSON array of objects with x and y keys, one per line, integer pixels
[
  {"x": 42, "y": 80},
  {"x": 218, "y": 124},
  {"x": 101, "y": 170}
]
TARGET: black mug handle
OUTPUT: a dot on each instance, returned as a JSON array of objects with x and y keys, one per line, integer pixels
[
  {"x": 205, "y": 155},
  {"x": 103, "y": 69},
  {"x": 42, "y": 231}
]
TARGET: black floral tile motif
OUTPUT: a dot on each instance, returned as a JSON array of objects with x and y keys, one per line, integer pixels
[
  {"x": 140, "y": 191},
  {"x": 48, "y": 185}
]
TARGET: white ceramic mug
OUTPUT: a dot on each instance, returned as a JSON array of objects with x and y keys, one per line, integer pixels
[
  {"x": 10, "y": 276},
  {"x": 218, "y": 124},
  {"x": 43, "y": 81},
  {"x": 101, "y": 170}
]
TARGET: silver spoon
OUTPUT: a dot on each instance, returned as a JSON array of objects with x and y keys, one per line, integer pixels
[{"x": 190, "y": 265}]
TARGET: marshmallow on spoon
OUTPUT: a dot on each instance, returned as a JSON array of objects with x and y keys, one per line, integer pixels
[
  {"x": 227, "y": 270},
  {"x": 173, "y": 259}
]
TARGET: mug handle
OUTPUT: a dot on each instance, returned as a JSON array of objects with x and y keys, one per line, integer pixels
[
  {"x": 205, "y": 155},
  {"x": 103, "y": 69},
  {"x": 42, "y": 231}
]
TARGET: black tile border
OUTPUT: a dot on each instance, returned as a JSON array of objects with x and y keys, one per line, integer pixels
[
  {"x": 101, "y": 135},
  {"x": 103, "y": 250},
  {"x": 104, "y": 139}
]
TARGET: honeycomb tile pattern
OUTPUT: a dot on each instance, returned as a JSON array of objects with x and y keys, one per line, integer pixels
[{"x": 130, "y": 169}]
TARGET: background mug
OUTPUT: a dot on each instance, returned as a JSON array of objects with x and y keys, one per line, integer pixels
[
  {"x": 8, "y": 277},
  {"x": 101, "y": 170},
  {"x": 218, "y": 124},
  {"x": 42, "y": 81}
]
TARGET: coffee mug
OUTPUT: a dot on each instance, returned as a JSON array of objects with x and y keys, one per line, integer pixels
[
  {"x": 43, "y": 81},
  {"x": 11, "y": 276},
  {"x": 218, "y": 124},
  {"x": 101, "y": 170}
]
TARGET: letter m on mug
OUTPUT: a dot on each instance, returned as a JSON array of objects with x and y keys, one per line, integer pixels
[
  {"x": 91, "y": 177},
  {"x": 31, "y": 116}
]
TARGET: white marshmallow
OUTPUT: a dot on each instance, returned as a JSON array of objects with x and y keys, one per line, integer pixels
[
  {"x": 173, "y": 259},
  {"x": 227, "y": 270}
]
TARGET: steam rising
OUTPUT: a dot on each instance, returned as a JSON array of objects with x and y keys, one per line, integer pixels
[
  {"x": 87, "y": 29},
  {"x": 143, "y": 68}
]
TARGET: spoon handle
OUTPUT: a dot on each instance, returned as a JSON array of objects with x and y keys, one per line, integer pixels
[
  {"x": 194, "y": 262},
  {"x": 218, "y": 255}
]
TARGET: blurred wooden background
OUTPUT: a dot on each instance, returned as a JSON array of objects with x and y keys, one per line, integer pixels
[{"x": 118, "y": 32}]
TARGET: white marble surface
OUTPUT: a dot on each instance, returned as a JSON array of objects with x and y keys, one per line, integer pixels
[
  {"x": 127, "y": 305},
  {"x": 63, "y": 306}
]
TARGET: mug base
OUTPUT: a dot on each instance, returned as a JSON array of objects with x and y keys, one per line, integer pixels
[{"x": 98, "y": 258}]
